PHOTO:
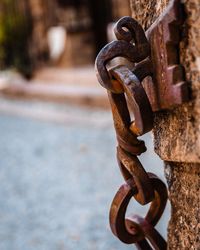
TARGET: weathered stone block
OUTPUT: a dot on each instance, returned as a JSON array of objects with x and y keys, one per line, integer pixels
[{"x": 177, "y": 132}]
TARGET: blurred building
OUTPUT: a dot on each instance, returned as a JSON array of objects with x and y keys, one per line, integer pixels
[
  {"x": 120, "y": 8},
  {"x": 84, "y": 22}
]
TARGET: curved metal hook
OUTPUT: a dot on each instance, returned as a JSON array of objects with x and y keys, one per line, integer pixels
[
  {"x": 123, "y": 48},
  {"x": 125, "y": 29}
]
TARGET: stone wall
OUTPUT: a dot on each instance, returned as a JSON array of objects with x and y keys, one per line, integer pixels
[{"x": 177, "y": 132}]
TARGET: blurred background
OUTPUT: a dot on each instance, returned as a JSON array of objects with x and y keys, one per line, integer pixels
[{"x": 58, "y": 170}]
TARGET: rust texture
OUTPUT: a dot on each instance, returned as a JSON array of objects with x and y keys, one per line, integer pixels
[
  {"x": 131, "y": 230},
  {"x": 122, "y": 47},
  {"x": 177, "y": 132},
  {"x": 138, "y": 100},
  {"x": 124, "y": 86},
  {"x": 169, "y": 86}
]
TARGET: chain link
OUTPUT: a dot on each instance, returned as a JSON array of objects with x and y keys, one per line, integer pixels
[{"x": 127, "y": 97}]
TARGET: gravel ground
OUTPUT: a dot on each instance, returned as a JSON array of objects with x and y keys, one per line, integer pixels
[{"x": 58, "y": 176}]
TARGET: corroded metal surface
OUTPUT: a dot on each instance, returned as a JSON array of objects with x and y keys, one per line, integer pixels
[
  {"x": 138, "y": 100},
  {"x": 122, "y": 122},
  {"x": 160, "y": 48},
  {"x": 133, "y": 232},
  {"x": 169, "y": 87},
  {"x": 127, "y": 96},
  {"x": 126, "y": 30},
  {"x": 156, "y": 57}
]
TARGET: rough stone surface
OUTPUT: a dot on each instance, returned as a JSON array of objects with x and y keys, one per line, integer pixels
[
  {"x": 184, "y": 227},
  {"x": 173, "y": 129},
  {"x": 177, "y": 132}
]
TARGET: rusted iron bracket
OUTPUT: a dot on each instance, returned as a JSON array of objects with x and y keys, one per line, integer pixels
[
  {"x": 155, "y": 82},
  {"x": 168, "y": 87}
]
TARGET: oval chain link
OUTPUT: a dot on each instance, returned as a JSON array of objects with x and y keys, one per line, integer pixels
[{"x": 126, "y": 94}]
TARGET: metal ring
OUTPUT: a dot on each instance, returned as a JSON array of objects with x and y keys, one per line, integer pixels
[
  {"x": 137, "y": 98},
  {"x": 119, "y": 206},
  {"x": 154, "y": 237},
  {"x": 134, "y": 53},
  {"x": 131, "y": 167},
  {"x": 121, "y": 117}
]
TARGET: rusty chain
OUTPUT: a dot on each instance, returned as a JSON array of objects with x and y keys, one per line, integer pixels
[{"x": 127, "y": 97}]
